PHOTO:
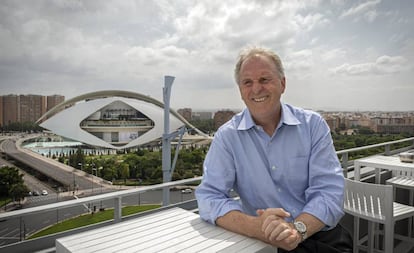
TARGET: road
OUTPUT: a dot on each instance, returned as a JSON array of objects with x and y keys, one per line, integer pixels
[
  {"x": 65, "y": 175},
  {"x": 14, "y": 230}
]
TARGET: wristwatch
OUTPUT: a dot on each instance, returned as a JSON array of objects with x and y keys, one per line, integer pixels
[{"x": 301, "y": 228}]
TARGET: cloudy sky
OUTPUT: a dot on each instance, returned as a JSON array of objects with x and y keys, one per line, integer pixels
[{"x": 338, "y": 54}]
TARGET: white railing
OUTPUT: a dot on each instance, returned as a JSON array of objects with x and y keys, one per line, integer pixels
[
  {"x": 116, "y": 196},
  {"x": 347, "y": 165}
]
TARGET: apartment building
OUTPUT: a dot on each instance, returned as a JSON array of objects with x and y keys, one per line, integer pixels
[
  {"x": 53, "y": 100},
  {"x": 393, "y": 124},
  {"x": 379, "y": 122},
  {"x": 186, "y": 113},
  {"x": 221, "y": 117},
  {"x": 25, "y": 108}
]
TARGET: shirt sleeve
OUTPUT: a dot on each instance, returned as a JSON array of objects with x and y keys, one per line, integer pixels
[
  {"x": 213, "y": 194},
  {"x": 324, "y": 197}
]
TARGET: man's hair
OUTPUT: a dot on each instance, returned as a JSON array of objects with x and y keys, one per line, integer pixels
[{"x": 254, "y": 50}]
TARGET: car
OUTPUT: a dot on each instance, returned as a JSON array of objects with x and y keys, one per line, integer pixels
[
  {"x": 188, "y": 190},
  {"x": 44, "y": 192},
  {"x": 36, "y": 193}
]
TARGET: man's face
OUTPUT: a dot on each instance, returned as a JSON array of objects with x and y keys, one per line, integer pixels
[{"x": 261, "y": 87}]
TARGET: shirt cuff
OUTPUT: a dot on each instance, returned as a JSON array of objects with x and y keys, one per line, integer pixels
[{"x": 228, "y": 206}]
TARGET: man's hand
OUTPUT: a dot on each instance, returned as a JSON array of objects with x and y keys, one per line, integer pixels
[{"x": 277, "y": 230}]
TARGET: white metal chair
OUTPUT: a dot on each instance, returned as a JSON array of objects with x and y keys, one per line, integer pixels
[
  {"x": 374, "y": 203},
  {"x": 404, "y": 180}
]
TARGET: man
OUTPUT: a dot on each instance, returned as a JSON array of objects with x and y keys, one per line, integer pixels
[{"x": 281, "y": 161}]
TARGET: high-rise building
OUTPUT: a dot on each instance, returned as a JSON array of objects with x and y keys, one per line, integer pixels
[
  {"x": 222, "y": 117},
  {"x": 10, "y": 110},
  {"x": 54, "y": 100},
  {"x": 1, "y": 111},
  {"x": 186, "y": 113},
  {"x": 202, "y": 115},
  {"x": 32, "y": 107},
  {"x": 25, "y": 108}
]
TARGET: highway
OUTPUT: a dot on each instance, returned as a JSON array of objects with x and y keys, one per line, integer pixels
[{"x": 65, "y": 175}]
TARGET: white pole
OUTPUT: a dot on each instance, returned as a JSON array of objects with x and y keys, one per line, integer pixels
[{"x": 166, "y": 141}]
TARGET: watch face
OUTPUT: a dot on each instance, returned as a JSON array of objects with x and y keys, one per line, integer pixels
[{"x": 300, "y": 226}]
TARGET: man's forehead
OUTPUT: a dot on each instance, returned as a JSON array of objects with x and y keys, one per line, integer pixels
[{"x": 259, "y": 64}]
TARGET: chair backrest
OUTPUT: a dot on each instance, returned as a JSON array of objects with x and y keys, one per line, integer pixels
[
  {"x": 403, "y": 173},
  {"x": 369, "y": 201}
]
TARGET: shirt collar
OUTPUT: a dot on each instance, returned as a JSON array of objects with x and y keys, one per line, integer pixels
[{"x": 287, "y": 118}]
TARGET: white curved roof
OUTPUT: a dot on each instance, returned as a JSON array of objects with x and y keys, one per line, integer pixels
[{"x": 68, "y": 121}]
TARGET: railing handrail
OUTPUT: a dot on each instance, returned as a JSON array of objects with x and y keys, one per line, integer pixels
[
  {"x": 95, "y": 198},
  {"x": 374, "y": 146}
]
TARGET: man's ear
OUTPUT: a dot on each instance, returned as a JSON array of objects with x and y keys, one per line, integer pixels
[{"x": 283, "y": 84}]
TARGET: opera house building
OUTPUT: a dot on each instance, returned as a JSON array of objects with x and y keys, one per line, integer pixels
[{"x": 112, "y": 119}]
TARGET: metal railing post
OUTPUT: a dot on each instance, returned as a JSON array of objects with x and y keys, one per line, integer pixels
[
  {"x": 117, "y": 209},
  {"x": 345, "y": 164},
  {"x": 387, "y": 149}
]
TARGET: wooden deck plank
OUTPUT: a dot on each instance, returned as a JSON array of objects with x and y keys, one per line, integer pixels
[
  {"x": 212, "y": 241},
  {"x": 195, "y": 240},
  {"x": 151, "y": 240},
  {"x": 225, "y": 244},
  {"x": 173, "y": 230},
  {"x": 108, "y": 230},
  {"x": 171, "y": 242},
  {"x": 139, "y": 234}
]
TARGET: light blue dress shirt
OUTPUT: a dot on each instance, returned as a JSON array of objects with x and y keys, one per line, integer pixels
[{"x": 296, "y": 169}]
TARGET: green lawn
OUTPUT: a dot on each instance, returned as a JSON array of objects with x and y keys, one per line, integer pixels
[
  {"x": 4, "y": 201},
  {"x": 88, "y": 219}
]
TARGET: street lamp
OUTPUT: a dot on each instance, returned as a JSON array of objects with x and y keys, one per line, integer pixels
[
  {"x": 93, "y": 168},
  {"x": 96, "y": 173},
  {"x": 74, "y": 182}
]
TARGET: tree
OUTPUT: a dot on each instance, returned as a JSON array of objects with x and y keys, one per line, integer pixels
[
  {"x": 124, "y": 171},
  {"x": 77, "y": 159},
  {"x": 9, "y": 176},
  {"x": 205, "y": 125},
  {"x": 12, "y": 183},
  {"x": 18, "y": 191}
]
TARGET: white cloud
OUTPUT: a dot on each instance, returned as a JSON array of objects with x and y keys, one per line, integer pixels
[
  {"x": 72, "y": 47},
  {"x": 383, "y": 65},
  {"x": 360, "y": 9},
  {"x": 336, "y": 53},
  {"x": 370, "y": 16},
  {"x": 310, "y": 21}
]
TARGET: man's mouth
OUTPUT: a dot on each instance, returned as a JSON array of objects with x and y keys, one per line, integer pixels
[{"x": 261, "y": 99}]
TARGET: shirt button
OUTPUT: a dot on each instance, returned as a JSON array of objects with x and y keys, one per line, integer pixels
[
  {"x": 279, "y": 190},
  {"x": 273, "y": 167}
]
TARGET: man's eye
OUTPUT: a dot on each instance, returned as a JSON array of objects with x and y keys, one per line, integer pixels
[
  {"x": 247, "y": 82},
  {"x": 264, "y": 80}
]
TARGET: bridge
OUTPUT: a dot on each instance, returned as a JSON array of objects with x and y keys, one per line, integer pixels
[{"x": 65, "y": 176}]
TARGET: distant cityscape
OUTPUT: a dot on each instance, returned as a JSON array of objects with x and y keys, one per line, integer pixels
[
  {"x": 28, "y": 108},
  {"x": 25, "y": 108},
  {"x": 378, "y": 122}
]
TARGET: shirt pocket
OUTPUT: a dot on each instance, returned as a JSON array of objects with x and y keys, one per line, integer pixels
[{"x": 298, "y": 174}]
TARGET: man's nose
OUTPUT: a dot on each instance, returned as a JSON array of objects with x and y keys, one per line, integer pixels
[{"x": 256, "y": 86}]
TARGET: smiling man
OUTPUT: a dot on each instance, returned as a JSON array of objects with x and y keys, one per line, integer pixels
[{"x": 281, "y": 161}]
